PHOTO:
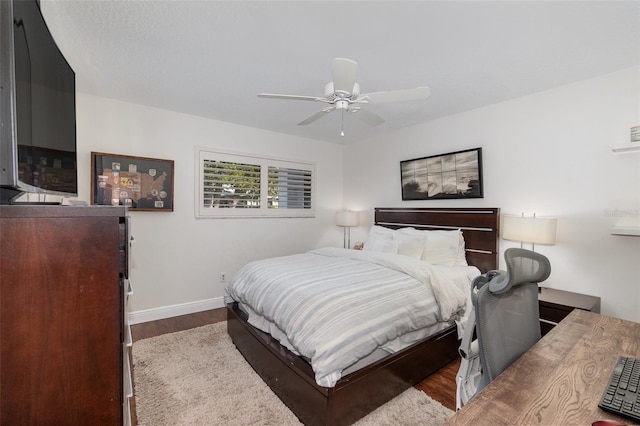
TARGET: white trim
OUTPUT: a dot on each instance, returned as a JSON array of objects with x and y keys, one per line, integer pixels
[{"x": 163, "y": 312}]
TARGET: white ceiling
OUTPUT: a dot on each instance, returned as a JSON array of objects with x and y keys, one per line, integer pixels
[{"x": 211, "y": 58}]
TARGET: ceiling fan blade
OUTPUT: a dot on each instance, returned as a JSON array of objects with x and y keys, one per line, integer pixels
[
  {"x": 344, "y": 75},
  {"x": 316, "y": 116},
  {"x": 291, "y": 97},
  {"x": 368, "y": 117},
  {"x": 398, "y": 95}
]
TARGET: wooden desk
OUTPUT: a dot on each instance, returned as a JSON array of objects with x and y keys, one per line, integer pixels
[{"x": 561, "y": 379}]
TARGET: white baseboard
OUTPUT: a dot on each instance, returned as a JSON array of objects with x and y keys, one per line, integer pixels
[{"x": 154, "y": 314}]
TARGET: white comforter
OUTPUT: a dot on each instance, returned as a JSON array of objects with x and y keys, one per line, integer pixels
[{"x": 336, "y": 306}]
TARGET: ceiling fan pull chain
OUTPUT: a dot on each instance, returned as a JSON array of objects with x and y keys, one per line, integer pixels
[{"x": 342, "y": 125}]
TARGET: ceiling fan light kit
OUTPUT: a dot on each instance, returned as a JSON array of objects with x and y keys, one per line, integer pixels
[{"x": 343, "y": 94}]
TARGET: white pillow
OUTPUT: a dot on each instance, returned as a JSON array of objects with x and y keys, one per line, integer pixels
[
  {"x": 462, "y": 252},
  {"x": 410, "y": 245},
  {"x": 382, "y": 246},
  {"x": 380, "y": 240},
  {"x": 441, "y": 247},
  {"x": 376, "y": 229}
]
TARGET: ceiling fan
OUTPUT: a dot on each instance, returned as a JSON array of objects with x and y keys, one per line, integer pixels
[{"x": 343, "y": 94}]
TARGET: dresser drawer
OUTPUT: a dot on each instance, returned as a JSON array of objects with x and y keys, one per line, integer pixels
[
  {"x": 546, "y": 326},
  {"x": 124, "y": 243},
  {"x": 126, "y": 410},
  {"x": 127, "y": 389},
  {"x": 555, "y": 305},
  {"x": 553, "y": 314}
]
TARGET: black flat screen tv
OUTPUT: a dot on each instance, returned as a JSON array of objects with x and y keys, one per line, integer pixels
[{"x": 37, "y": 107}]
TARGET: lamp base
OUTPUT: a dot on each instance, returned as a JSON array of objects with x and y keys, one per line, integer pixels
[{"x": 347, "y": 237}]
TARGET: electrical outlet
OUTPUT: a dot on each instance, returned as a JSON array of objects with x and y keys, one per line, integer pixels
[{"x": 223, "y": 277}]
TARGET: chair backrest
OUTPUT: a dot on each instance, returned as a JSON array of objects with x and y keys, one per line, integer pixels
[{"x": 506, "y": 309}]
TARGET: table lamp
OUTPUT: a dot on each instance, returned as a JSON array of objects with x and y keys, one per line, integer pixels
[
  {"x": 529, "y": 230},
  {"x": 347, "y": 219},
  {"x": 534, "y": 230}
]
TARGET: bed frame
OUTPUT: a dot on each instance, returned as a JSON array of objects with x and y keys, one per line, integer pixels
[{"x": 357, "y": 394}]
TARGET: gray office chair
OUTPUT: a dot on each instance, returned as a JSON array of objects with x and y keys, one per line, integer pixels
[{"x": 507, "y": 320}]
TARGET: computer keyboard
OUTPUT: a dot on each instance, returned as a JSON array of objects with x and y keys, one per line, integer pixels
[{"x": 621, "y": 395}]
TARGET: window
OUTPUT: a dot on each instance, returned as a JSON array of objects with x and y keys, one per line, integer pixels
[{"x": 236, "y": 185}]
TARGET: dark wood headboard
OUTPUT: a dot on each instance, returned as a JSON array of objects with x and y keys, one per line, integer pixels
[{"x": 480, "y": 228}]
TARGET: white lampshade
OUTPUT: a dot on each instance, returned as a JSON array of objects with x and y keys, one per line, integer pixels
[
  {"x": 347, "y": 218},
  {"x": 537, "y": 230}
]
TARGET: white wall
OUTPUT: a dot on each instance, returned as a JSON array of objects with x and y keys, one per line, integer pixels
[
  {"x": 548, "y": 153},
  {"x": 177, "y": 259}
]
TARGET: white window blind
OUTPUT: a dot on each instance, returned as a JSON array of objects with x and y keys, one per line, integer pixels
[
  {"x": 231, "y": 185},
  {"x": 239, "y": 185},
  {"x": 289, "y": 188}
]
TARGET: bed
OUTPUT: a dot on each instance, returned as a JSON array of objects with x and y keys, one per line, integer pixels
[{"x": 359, "y": 392}]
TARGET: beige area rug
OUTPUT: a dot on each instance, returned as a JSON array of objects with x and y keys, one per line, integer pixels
[{"x": 197, "y": 377}]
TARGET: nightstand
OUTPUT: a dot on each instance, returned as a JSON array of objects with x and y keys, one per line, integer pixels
[{"x": 556, "y": 304}]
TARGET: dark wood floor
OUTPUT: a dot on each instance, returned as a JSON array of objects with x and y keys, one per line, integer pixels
[
  {"x": 171, "y": 325},
  {"x": 440, "y": 386}
]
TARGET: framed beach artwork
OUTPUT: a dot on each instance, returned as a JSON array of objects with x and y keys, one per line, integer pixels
[{"x": 445, "y": 176}]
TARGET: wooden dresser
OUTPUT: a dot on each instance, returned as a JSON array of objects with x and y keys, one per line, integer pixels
[{"x": 63, "y": 283}]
